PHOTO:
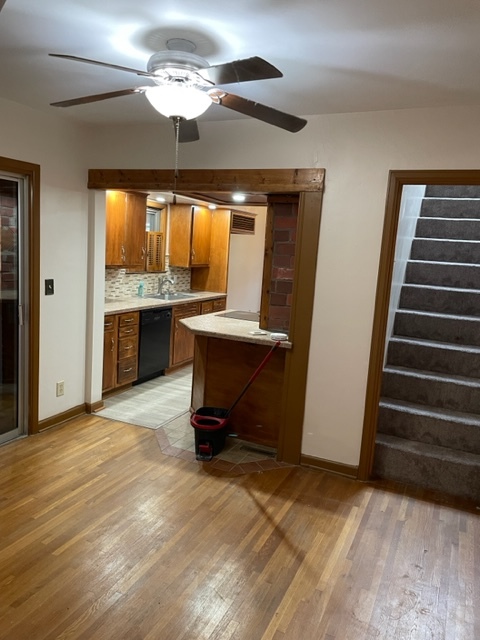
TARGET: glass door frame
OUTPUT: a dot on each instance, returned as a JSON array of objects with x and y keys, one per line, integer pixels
[{"x": 29, "y": 287}]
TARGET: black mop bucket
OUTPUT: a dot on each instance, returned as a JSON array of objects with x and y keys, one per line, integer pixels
[{"x": 211, "y": 423}]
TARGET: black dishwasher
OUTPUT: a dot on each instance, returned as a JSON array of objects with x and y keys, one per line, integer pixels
[{"x": 154, "y": 345}]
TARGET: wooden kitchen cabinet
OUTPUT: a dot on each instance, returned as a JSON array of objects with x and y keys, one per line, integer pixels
[
  {"x": 210, "y": 306},
  {"x": 182, "y": 340},
  {"x": 120, "y": 350},
  {"x": 125, "y": 237},
  {"x": 110, "y": 330},
  {"x": 190, "y": 230}
]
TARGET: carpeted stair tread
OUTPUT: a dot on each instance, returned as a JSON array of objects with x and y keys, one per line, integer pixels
[
  {"x": 450, "y": 208},
  {"x": 445, "y": 250},
  {"x": 448, "y": 228},
  {"x": 429, "y": 466},
  {"x": 421, "y": 423},
  {"x": 437, "y": 326},
  {"x": 448, "y": 391},
  {"x": 452, "y": 191},
  {"x": 449, "y": 300},
  {"x": 459, "y": 275},
  {"x": 428, "y": 355}
]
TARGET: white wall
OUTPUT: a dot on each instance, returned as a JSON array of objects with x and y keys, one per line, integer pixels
[
  {"x": 245, "y": 267},
  {"x": 410, "y": 208},
  {"x": 57, "y": 147},
  {"x": 357, "y": 151}
]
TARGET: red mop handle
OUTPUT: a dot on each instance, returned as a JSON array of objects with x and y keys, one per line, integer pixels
[{"x": 255, "y": 374}]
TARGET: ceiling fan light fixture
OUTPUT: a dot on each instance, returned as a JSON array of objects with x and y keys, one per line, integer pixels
[{"x": 177, "y": 101}]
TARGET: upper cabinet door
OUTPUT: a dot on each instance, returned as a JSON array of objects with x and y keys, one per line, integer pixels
[
  {"x": 125, "y": 229},
  {"x": 201, "y": 234},
  {"x": 190, "y": 229}
]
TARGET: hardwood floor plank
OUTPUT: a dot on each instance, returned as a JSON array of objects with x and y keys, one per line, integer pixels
[{"x": 102, "y": 537}]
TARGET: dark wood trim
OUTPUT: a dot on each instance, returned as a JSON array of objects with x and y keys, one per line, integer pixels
[
  {"x": 250, "y": 180},
  {"x": 94, "y": 406},
  {"x": 296, "y": 360},
  {"x": 327, "y": 465},
  {"x": 32, "y": 173},
  {"x": 59, "y": 418},
  {"x": 396, "y": 181}
]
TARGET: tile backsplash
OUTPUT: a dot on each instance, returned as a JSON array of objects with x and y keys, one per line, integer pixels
[{"x": 120, "y": 284}]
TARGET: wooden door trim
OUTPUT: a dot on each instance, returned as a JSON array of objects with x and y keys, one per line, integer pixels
[
  {"x": 396, "y": 181},
  {"x": 32, "y": 173},
  {"x": 308, "y": 184}
]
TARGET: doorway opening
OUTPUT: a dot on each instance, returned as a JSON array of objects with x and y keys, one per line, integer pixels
[{"x": 398, "y": 182}]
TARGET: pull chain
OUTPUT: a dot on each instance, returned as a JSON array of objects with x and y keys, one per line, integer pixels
[{"x": 175, "y": 175}]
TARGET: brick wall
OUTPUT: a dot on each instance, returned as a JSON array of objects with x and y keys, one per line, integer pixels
[{"x": 284, "y": 229}]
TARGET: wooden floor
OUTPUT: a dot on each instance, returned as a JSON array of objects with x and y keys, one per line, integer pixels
[{"x": 102, "y": 537}]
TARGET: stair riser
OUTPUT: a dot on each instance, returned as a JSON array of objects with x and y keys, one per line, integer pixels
[
  {"x": 452, "y": 191},
  {"x": 429, "y": 429},
  {"x": 440, "y": 301},
  {"x": 445, "y": 251},
  {"x": 431, "y": 358},
  {"x": 448, "y": 229},
  {"x": 450, "y": 208},
  {"x": 433, "y": 393},
  {"x": 457, "y": 479},
  {"x": 455, "y": 331},
  {"x": 443, "y": 275}
]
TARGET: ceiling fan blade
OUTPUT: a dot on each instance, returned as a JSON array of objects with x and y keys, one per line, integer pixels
[
  {"x": 241, "y": 71},
  {"x": 258, "y": 111},
  {"x": 188, "y": 131},
  {"x": 101, "y": 64},
  {"x": 96, "y": 98}
]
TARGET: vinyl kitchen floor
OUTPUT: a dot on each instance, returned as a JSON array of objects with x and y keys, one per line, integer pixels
[{"x": 163, "y": 404}]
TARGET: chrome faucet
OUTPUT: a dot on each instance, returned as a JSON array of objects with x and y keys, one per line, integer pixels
[{"x": 163, "y": 281}]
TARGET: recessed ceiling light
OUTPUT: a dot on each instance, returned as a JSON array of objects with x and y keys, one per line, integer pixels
[
  {"x": 160, "y": 199},
  {"x": 212, "y": 206},
  {"x": 238, "y": 197}
]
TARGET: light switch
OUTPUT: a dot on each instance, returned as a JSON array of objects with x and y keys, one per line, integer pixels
[{"x": 49, "y": 287}]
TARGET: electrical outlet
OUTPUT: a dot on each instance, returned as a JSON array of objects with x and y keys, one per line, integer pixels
[{"x": 60, "y": 388}]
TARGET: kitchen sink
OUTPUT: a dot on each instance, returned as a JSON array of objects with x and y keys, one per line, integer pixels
[{"x": 178, "y": 295}]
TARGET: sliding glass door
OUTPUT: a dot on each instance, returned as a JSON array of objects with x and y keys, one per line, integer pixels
[{"x": 13, "y": 379}]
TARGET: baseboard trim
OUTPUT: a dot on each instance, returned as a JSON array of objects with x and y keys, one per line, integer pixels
[
  {"x": 53, "y": 421},
  {"x": 327, "y": 465},
  {"x": 94, "y": 407}
]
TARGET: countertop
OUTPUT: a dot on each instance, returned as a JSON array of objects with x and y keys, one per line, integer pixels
[
  {"x": 216, "y": 325},
  {"x": 135, "y": 303}
]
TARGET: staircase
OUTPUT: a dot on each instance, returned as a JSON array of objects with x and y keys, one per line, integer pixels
[{"x": 428, "y": 431}]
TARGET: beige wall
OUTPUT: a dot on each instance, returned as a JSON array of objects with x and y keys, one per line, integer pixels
[{"x": 357, "y": 151}]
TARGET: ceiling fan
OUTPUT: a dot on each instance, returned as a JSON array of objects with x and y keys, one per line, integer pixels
[{"x": 185, "y": 85}]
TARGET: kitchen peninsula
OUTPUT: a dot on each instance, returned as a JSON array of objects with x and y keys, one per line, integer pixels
[{"x": 228, "y": 349}]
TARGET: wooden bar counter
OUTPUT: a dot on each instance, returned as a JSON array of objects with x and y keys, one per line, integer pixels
[{"x": 227, "y": 352}]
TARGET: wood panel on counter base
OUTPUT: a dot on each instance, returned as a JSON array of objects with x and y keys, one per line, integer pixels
[
  {"x": 103, "y": 537},
  {"x": 222, "y": 368}
]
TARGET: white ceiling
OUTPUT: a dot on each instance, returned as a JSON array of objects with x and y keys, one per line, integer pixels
[{"x": 336, "y": 55}]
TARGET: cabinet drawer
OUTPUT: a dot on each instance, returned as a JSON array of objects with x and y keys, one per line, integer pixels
[
  {"x": 127, "y": 370},
  {"x": 128, "y": 330},
  {"x": 207, "y": 306},
  {"x": 220, "y": 304},
  {"x": 128, "y": 319},
  {"x": 109, "y": 323},
  {"x": 186, "y": 310},
  {"x": 127, "y": 347}
]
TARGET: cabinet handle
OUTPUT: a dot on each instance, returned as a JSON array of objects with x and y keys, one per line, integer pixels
[
  {"x": 127, "y": 348},
  {"x": 108, "y": 324},
  {"x": 127, "y": 370},
  {"x": 128, "y": 320},
  {"x": 128, "y": 331},
  {"x": 113, "y": 345}
]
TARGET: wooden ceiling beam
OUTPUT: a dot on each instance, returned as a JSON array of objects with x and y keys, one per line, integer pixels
[{"x": 248, "y": 180}]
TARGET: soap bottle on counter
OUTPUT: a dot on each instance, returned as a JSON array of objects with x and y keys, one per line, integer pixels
[{"x": 141, "y": 289}]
